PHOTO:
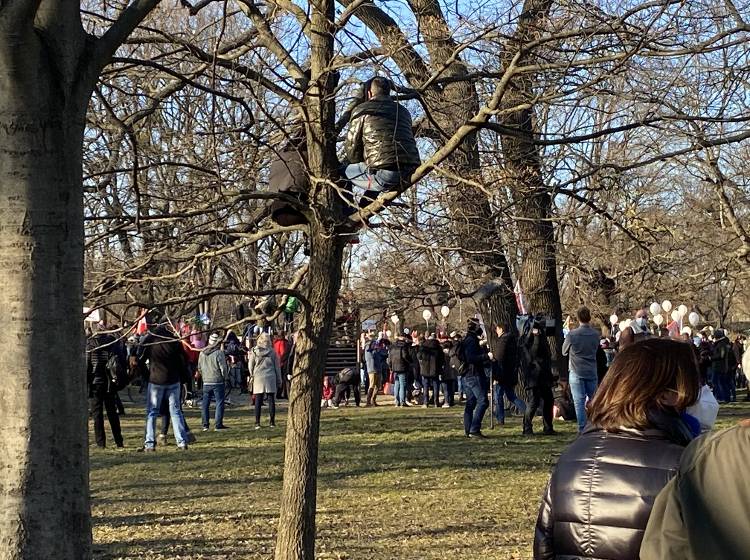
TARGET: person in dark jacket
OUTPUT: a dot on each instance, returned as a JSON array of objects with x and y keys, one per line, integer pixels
[
  {"x": 475, "y": 358},
  {"x": 505, "y": 371},
  {"x": 288, "y": 175},
  {"x": 167, "y": 371},
  {"x": 380, "y": 147},
  {"x": 399, "y": 361},
  {"x": 346, "y": 380},
  {"x": 599, "y": 498},
  {"x": 99, "y": 349},
  {"x": 449, "y": 375},
  {"x": 430, "y": 357},
  {"x": 722, "y": 361},
  {"x": 536, "y": 368}
]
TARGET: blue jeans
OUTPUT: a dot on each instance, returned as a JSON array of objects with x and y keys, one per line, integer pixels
[
  {"x": 399, "y": 389},
  {"x": 434, "y": 383},
  {"x": 581, "y": 388},
  {"x": 449, "y": 389},
  {"x": 497, "y": 396},
  {"x": 156, "y": 393},
  {"x": 476, "y": 402},
  {"x": 217, "y": 391},
  {"x": 374, "y": 181}
]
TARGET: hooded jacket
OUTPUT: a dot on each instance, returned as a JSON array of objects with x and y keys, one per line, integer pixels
[
  {"x": 505, "y": 353},
  {"x": 380, "y": 134},
  {"x": 599, "y": 498},
  {"x": 212, "y": 364},
  {"x": 265, "y": 370}
]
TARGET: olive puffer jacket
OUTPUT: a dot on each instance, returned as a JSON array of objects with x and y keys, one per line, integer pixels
[
  {"x": 380, "y": 134},
  {"x": 600, "y": 496}
]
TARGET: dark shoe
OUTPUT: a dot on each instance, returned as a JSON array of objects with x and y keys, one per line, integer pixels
[
  {"x": 191, "y": 437},
  {"x": 479, "y": 435},
  {"x": 549, "y": 433},
  {"x": 528, "y": 432},
  {"x": 220, "y": 428}
]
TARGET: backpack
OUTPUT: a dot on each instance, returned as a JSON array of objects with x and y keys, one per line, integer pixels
[
  {"x": 117, "y": 373},
  {"x": 462, "y": 367}
]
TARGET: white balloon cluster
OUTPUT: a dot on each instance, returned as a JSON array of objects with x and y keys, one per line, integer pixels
[{"x": 677, "y": 315}]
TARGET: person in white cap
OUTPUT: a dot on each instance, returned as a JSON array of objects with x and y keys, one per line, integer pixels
[{"x": 214, "y": 370}]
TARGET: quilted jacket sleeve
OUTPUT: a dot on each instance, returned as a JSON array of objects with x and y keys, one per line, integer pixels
[{"x": 543, "y": 543}]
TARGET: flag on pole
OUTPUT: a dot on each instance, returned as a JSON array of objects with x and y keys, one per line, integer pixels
[{"x": 520, "y": 298}]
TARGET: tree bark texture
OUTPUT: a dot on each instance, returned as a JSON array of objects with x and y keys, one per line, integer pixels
[
  {"x": 296, "y": 536},
  {"x": 44, "y": 491},
  {"x": 531, "y": 196}
]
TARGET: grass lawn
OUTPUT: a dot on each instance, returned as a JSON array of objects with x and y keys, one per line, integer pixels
[{"x": 393, "y": 483}]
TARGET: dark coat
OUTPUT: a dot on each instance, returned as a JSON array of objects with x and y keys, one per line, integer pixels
[
  {"x": 99, "y": 348},
  {"x": 430, "y": 356},
  {"x": 599, "y": 498},
  {"x": 398, "y": 357},
  {"x": 380, "y": 134},
  {"x": 505, "y": 352},
  {"x": 475, "y": 354},
  {"x": 166, "y": 360},
  {"x": 723, "y": 357},
  {"x": 536, "y": 361}
]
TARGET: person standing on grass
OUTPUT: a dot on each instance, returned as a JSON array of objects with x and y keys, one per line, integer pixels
[
  {"x": 430, "y": 356},
  {"x": 99, "y": 349},
  {"x": 581, "y": 346},
  {"x": 536, "y": 368},
  {"x": 505, "y": 371},
  {"x": 167, "y": 371},
  {"x": 722, "y": 361},
  {"x": 448, "y": 377},
  {"x": 399, "y": 360},
  {"x": 371, "y": 370},
  {"x": 212, "y": 364},
  {"x": 474, "y": 357},
  {"x": 265, "y": 377},
  {"x": 599, "y": 498}
]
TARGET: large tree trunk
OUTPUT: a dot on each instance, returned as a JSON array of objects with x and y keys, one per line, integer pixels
[
  {"x": 532, "y": 198},
  {"x": 296, "y": 537},
  {"x": 44, "y": 497}
]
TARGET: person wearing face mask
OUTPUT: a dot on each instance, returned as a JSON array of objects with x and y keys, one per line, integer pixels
[
  {"x": 637, "y": 331},
  {"x": 599, "y": 498}
]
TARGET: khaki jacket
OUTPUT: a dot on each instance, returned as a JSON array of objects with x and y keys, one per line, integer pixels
[{"x": 704, "y": 512}]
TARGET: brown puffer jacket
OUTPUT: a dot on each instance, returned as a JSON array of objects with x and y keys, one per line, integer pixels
[
  {"x": 380, "y": 134},
  {"x": 599, "y": 498}
]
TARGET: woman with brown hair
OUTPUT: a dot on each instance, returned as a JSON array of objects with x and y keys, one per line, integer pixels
[{"x": 599, "y": 498}]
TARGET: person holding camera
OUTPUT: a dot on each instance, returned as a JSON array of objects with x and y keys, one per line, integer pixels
[{"x": 536, "y": 370}]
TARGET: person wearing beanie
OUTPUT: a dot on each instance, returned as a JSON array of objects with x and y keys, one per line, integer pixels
[{"x": 212, "y": 364}]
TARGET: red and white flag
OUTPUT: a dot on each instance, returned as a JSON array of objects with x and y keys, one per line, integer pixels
[{"x": 520, "y": 298}]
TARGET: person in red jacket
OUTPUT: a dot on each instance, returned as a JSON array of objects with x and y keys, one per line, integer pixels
[{"x": 282, "y": 347}]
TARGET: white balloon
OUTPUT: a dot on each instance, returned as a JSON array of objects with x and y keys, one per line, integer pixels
[
  {"x": 623, "y": 325},
  {"x": 666, "y": 305},
  {"x": 686, "y": 330},
  {"x": 683, "y": 310},
  {"x": 658, "y": 319},
  {"x": 427, "y": 314},
  {"x": 445, "y": 311},
  {"x": 388, "y": 334},
  {"x": 694, "y": 318},
  {"x": 395, "y": 319},
  {"x": 613, "y": 320},
  {"x": 655, "y": 308},
  {"x": 676, "y": 316}
]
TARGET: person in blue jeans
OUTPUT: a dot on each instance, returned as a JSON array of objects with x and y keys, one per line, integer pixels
[
  {"x": 214, "y": 369},
  {"x": 399, "y": 359},
  {"x": 381, "y": 151},
  {"x": 581, "y": 346},
  {"x": 505, "y": 371},
  {"x": 475, "y": 358},
  {"x": 167, "y": 369}
]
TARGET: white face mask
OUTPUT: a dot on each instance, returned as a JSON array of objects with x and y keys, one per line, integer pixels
[
  {"x": 642, "y": 322},
  {"x": 705, "y": 410}
]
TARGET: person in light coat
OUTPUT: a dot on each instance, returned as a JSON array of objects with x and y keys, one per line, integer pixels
[{"x": 265, "y": 377}]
